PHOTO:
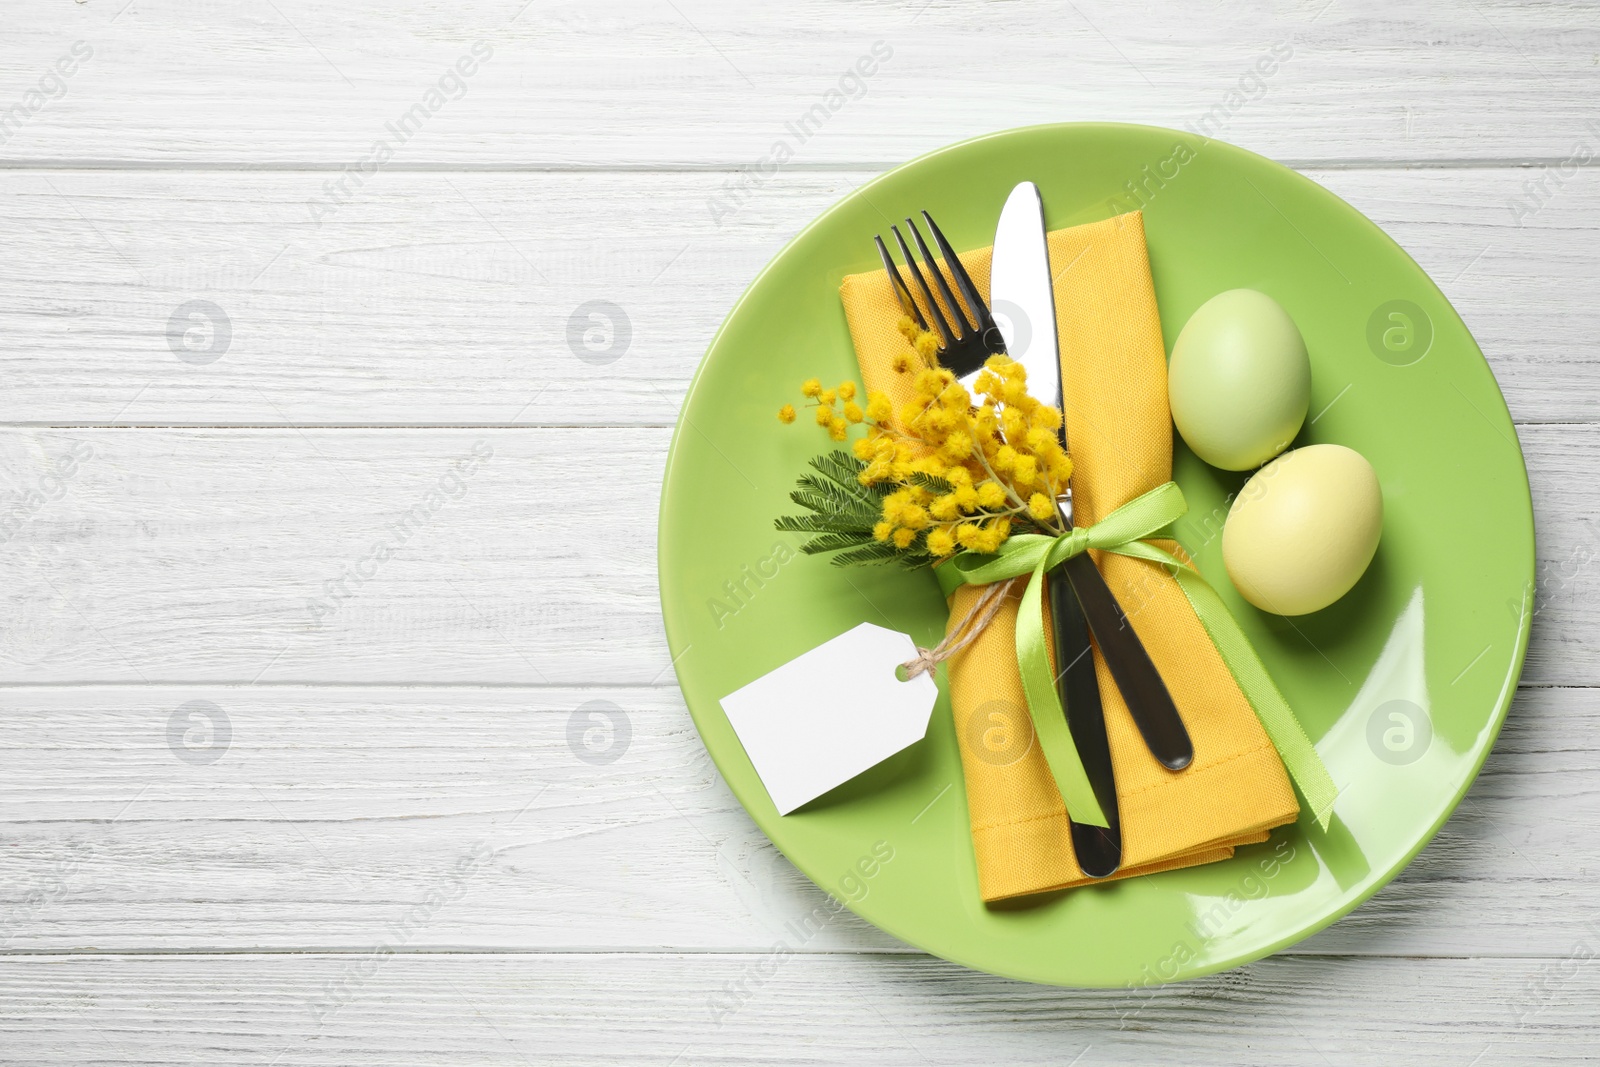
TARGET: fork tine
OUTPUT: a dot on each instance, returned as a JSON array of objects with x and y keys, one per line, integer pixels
[
  {"x": 902, "y": 292},
  {"x": 967, "y": 328},
  {"x": 933, "y": 304},
  {"x": 963, "y": 280}
]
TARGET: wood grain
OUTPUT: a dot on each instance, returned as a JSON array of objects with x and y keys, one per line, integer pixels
[
  {"x": 716, "y": 83},
  {"x": 705, "y": 1009},
  {"x": 205, "y": 183},
  {"x": 458, "y": 299},
  {"x": 212, "y": 818},
  {"x": 274, "y": 555},
  {"x": 239, "y": 556}
]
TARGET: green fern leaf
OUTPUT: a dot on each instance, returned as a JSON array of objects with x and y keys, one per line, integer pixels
[
  {"x": 832, "y": 542},
  {"x": 934, "y": 485},
  {"x": 821, "y": 524},
  {"x": 833, "y": 499},
  {"x": 844, "y": 470},
  {"x": 876, "y": 552}
]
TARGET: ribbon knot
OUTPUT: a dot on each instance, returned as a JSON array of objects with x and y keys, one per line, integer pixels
[
  {"x": 1123, "y": 532},
  {"x": 1073, "y": 543}
]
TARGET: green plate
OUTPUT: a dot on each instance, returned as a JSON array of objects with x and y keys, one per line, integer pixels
[{"x": 1403, "y": 684}]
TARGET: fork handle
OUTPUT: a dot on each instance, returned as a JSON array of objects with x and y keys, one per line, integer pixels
[{"x": 1143, "y": 691}]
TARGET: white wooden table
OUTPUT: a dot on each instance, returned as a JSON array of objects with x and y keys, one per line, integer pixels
[{"x": 305, "y": 612}]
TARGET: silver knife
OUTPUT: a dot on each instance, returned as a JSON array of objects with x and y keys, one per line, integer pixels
[{"x": 1022, "y": 299}]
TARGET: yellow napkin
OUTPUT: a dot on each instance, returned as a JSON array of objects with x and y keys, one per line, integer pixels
[{"x": 1114, "y": 372}]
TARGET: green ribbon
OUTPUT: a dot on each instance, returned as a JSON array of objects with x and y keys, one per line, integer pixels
[{"x": 1123, "y": 532}]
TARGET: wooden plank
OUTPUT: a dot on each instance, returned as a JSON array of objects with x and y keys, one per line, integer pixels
[
  {"x": 166, "y": 819},
  {"x": 698, "y": 1009},
  {"x": 467, "y": 299},
  {"x": 275, "y": 555},
  {"x": 328, "y": 814},
  {"x": 711, "y": 82},
  {"x": 286, "y": 555}
]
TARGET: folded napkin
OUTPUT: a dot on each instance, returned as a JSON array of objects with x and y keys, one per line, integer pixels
[{"x": 1114, "y": 372}]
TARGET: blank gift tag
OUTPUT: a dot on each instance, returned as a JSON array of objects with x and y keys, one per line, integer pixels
[{"x": 829, "y": 714}]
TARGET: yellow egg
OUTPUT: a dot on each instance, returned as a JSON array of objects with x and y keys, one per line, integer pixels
[
  {"x": 1303, "y": 529},
  {"x": 1239, "y": 381}
]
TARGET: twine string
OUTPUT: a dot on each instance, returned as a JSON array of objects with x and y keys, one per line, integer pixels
[{"x": 964, "y": 632}]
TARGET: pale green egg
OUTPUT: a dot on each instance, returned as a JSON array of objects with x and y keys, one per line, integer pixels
[
  {"x": 1239, "y": 380},
  {"x": 1303, "y": 529}
]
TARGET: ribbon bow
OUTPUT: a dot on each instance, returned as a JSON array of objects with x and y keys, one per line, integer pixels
[{"x": 1123, "y": 532}]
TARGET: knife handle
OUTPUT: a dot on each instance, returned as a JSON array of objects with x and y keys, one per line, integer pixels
[
  {"x": 1098, "y": 848},
  {"x": 1142, "y": 688}
]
